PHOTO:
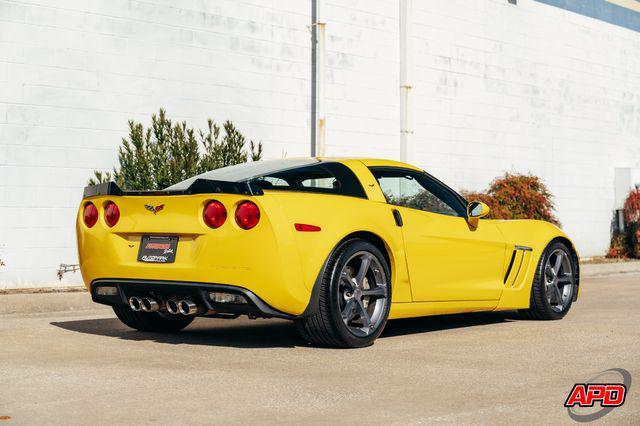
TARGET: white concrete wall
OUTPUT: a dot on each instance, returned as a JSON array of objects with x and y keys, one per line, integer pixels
[
  {"x": 497, "y": 88},
  {"x": 72, "y": 73},
  {"x": 528, "y": 88},
  {"x": 362, "y": 95}
]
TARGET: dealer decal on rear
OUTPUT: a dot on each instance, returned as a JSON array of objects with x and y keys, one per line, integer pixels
[{"x": 158, "y": 249}]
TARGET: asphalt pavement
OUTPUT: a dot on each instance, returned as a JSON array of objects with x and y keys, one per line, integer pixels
[{"x": 82, "y": 366}]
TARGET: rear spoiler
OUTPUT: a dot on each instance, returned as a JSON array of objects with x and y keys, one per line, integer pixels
[{"x": 199, "y": 186}]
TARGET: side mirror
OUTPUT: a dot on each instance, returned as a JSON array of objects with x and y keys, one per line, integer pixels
[{"x": 475, "y": 211}]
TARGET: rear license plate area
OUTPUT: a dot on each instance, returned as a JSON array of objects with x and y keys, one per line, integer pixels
[{"x": 157, "y": 249}]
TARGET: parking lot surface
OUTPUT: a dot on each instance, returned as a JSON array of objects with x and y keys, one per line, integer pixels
[{"x": 83, "y": 366}]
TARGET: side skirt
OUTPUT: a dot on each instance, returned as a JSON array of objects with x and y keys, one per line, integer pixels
[{"x": 421, "y": 309}]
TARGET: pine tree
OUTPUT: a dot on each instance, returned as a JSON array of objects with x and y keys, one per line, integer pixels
[{"x": 167, "y": 153}]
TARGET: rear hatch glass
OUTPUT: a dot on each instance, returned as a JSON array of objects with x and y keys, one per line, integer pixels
[{"x": 245, "y": 171}]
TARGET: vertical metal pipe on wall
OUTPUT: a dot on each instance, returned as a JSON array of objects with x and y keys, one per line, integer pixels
[
  {"x": 405, "y": 86},
  {"x": 314, "y": 41},
  {"x": 317, "y": 80},
  {"x": 320, "y": 83}
]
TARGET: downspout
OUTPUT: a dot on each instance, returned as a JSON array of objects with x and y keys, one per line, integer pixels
[
  {"x": 405, "y": 86},
  {"x": 318, "y": 118},
  {"x": 314, "y": 41}
]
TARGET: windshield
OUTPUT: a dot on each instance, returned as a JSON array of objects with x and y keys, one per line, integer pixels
[{"x": 245, "y": 171}]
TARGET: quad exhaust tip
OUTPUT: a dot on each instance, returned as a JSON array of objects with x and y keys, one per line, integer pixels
[
  {"x": 172, "y": 306},
  {"x": 135, "y": 303},
  {"x": 187, "y": 307},
  {"x": 149, "y": 304}
]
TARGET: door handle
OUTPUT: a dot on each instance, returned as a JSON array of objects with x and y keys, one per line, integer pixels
[{"x": 397, "y": 217}]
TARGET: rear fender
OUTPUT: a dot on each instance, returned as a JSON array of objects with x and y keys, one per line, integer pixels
[
  {"x": 337, "y": 218},
  {"x": 397, "y": 269}
]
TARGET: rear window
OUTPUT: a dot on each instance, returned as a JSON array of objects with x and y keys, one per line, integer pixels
[
  {"x": 324, "y": 178},
  {"x": 304, "y": 175},
  {"x": 244, "y": 172}
]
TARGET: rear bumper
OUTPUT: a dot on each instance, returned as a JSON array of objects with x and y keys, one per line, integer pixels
[{"x": 198, "y": 292}]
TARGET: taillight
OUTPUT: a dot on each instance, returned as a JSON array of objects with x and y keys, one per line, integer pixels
[
  {"x": 90, "y": 215},
  {"x": 214, "y": 214},
  {"x": 247, "y": 215},
  {"x": 111, "y": 213}
]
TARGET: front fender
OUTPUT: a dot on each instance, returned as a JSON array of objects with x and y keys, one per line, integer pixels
[{"x": 535, "y": 234}]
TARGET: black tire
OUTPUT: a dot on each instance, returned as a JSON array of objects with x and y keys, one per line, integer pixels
[
  {"x": 539, "y": 305},
  {"x": 325, "y": 326},
  {"x": 151, "y": 321}
]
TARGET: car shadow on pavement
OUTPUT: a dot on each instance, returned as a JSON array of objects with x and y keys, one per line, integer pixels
[
  {"x": 401, "y": 327},
  {"x": 243, "y": 333},
  {"x": 209, "y": 332}
]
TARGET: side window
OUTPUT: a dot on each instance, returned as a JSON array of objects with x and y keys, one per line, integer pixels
[
  {"x": 411, "y": 189},
  {"x": 327, "y": 183},
  {"x": 323, "y": 178},
  {"x": 270, "y": 182}
]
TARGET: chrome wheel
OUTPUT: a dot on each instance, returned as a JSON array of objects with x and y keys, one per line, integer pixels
[
  {"x": 559, "y": 280},
  {"x": 362, "y": 294}
]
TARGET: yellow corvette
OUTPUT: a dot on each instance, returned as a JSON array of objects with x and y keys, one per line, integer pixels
[{"x": 337, "y": 245}]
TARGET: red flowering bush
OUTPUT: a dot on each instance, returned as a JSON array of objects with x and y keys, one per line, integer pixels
[
  {"x": 627, "y": 244},
  {"x": 517, "y": 196},
  {"x": 632, "y": 208},
  {"x": 619, "y": 247}
]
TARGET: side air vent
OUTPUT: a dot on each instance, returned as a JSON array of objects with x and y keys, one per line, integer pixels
[
  {"x": 513, "y": 257},
  {"x": 518, "y": 266}
]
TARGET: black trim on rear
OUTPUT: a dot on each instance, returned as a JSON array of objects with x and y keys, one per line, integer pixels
[
  {"x": 197, "y": 291},
  {"x": 199, "y": 186}
]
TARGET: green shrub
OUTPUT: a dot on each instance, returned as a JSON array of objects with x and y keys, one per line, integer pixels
[
  {"x": 167, "y": 153},
  {"x": 517, "y": 196}
]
